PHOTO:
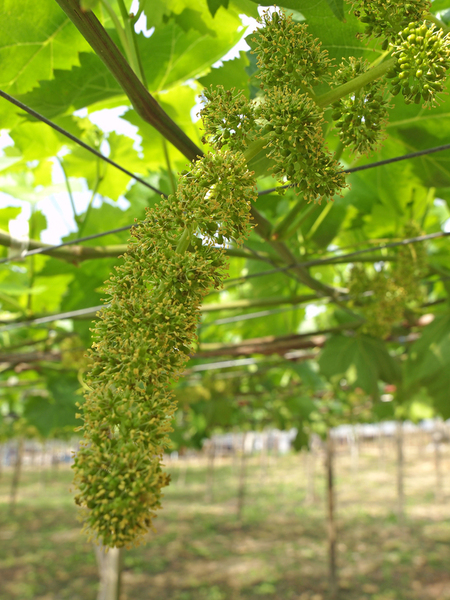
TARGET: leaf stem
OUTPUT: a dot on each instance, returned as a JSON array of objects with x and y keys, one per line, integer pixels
[
  {"x": 280, "y": 229},
  {"x": 318, "y": 221},
  {"x": 356, "y": 84},
  {"x": 76, "y": 216},
  {"x": 173, "y": 183},
  {"x": 131, "y": 46},
  {"x": 144, "y": 104},
  {"x": 296, "y": 224},
  {"x": 120, "y": 30},
  {"x": 433, "y": 19}
]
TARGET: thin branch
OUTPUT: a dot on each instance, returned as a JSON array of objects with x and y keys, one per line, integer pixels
[
  {"x": 143, "y": 103},
  {"x": 264, "y": 229},
  {"x": 255, "y": 302},
  {"x": 74, "y": 139},
  {"x": 9, "y": 360},
  {"x": 69, "y": 191},
  {"x": 73, "y": 254},
  {"x": 266, "y": 345}
]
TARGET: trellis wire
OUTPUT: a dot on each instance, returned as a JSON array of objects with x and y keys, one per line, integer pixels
[
  {"x": 76, "y": 140},
  {"x": 379, "y": 163},
  {"x": 70, "y": 243},
  {"x": 332, "y": 259},
  {"x": 90, "y": 312},
  {"x": 143, "y": 182}
]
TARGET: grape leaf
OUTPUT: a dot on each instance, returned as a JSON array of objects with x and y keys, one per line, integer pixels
[
  {"x": 361, "y": 359},
  {"x": 428, "y": 363},
  {"x": 214, "y": 5},
  {"x": 35, "y": 39}
]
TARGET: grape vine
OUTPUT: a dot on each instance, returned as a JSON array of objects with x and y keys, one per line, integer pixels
[{"x": 145, "y": 334}]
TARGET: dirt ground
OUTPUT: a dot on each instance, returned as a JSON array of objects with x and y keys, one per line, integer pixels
[{"x": 278, "y": 549}]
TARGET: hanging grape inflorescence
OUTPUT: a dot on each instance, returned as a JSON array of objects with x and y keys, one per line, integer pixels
[{"x": 146, "y": 332}]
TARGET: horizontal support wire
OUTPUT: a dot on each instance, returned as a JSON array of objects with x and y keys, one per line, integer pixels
[
  {"x": 81, "y": 313},
  {"x": 379, "y": 163},
  {"x": 248, "y": 316},
  {"x": 76, "y": 140},
  {"x": 50, "y": 247},
  {"x": 261, "y": 193},
  {"x": 331, "y": 259},
  {"x": 91, "y": 312}
]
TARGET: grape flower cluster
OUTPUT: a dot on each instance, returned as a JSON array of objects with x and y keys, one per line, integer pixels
[
  {"x": 360, "y": 118},
  {"x": 422, "y": 56},
  {"x": 393, "y": 292},
  {"x": 287, "y": 55},
  {"x": 228, "y": 118},
  {"x": 291, "y": 63},
  {"x": 143, "y": 339},
  {"x": 386, "y": 18},
  {"x": 295, "y": 142},
  {"x": 420, "y": 48}
]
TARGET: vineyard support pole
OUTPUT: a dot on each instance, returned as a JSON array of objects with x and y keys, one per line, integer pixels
[
  {"x": 109, "y": 562},
  {"x": 332, "y": 533},
  {"x": 400, "y": 472}
]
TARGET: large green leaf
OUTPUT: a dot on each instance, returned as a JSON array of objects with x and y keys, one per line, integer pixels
[
  {"x": 231, "y": 74},
  {"x": 361, "y": 359},
  {"x": 172, "y": 55},
  {"x": 35, "y": 39},
  {"x": 54, "y": 414},
  {"x": 428, "y": 363},
  {"x": 106, "y": 179},
  {"x": 85, "y": 84}
]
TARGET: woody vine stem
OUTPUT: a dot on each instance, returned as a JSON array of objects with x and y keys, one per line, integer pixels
[{"x": 145, "y": 334}]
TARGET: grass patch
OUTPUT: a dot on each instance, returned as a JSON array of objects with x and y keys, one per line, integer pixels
[{"x": 201, "y": 551}]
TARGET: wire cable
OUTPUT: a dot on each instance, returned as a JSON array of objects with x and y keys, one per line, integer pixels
[
  {"x": 76, "y": 140},
  {"x": 82, "y": 312},
  {"x": 405, "y": 242},
  {"x": 379, "y": 163},
  {"x": 45, "y": 249},
  {"x": 143, "y": 182},
  {"x": 255, "y": 315},
  {"x": 331, "y": 259}
]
